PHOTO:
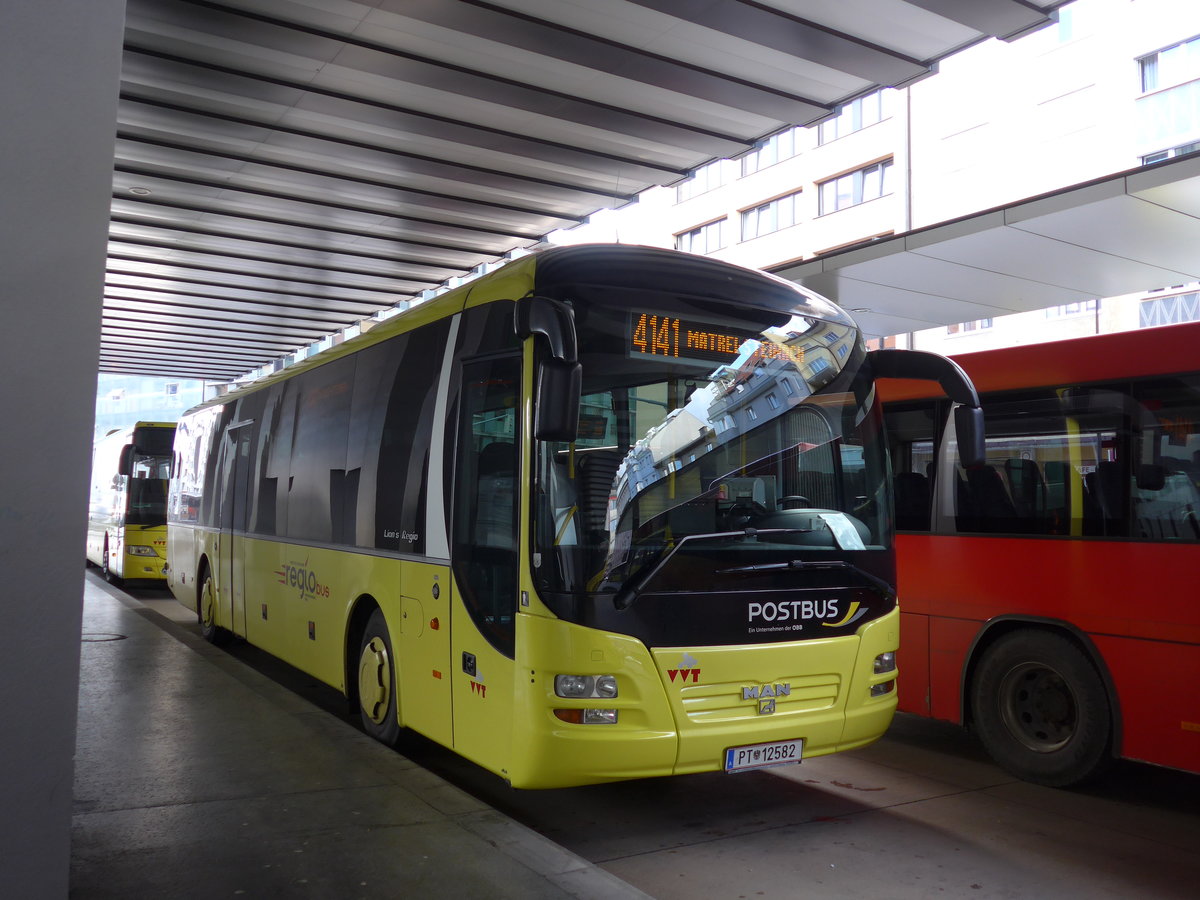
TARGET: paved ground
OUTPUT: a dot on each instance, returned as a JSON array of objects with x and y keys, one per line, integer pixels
[
  {"x": 922, "y": 813},
  {"x": 198, "y": 776}
]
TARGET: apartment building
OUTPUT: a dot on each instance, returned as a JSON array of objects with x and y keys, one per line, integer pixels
[{"x": 1113, "y": 85}]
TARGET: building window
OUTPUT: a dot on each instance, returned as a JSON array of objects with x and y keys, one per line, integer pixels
[
  {"x": 772, "y": 401},
  {"x": 1169, "y": 310},
  {"x": 1071, "y": 309},
  {"x": 1173, "y": 65},
  {"x": 705, "y": 239},
  {"x": 857, "y": 187},
  {"x": 704, "y": 179},
  {"x": 965, "y": 327},
  {"x": 1168, "y": 154},
  {"x": 778, "y": 214},
  {"x": 776, "y": 148},
  {"x": 171, "y": 388},
  {"x": 854, "y": 116}
]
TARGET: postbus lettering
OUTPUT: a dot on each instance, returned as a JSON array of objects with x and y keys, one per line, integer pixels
[{"x": 791, "y": 610}]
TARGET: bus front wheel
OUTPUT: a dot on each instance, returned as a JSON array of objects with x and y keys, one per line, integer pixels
[
  {"x": 206, "y": 612},
  {"x": 1041, "y": 710},
  {"x": 377, "y": 682},
  {"x": 104, "y": 568}
]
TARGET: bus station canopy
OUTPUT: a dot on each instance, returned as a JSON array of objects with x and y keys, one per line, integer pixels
[
  {"x": 286, "y": 168},
  {"x": 1130, "y": 232}
]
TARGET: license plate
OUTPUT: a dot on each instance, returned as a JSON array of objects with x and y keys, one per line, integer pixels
[{"x": 761, "y": 756}]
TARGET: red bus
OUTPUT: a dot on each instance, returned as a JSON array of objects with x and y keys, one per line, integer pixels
[{"x": 1049, "y": 597}]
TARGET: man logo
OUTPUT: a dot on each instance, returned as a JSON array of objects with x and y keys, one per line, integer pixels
[{"x": 765, "y": 695}]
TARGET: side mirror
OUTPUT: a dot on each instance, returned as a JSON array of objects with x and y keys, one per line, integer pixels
[
  {"x": 968, "y": 429},
  {"x": 556, "y": 401},
  {"x": 559, "y": 379},
  {"x": 125, "y": 463},
  {"x": 922, "y": 366}
]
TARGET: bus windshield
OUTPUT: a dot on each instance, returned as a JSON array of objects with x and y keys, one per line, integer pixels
[{"x": 712, "y": 459}]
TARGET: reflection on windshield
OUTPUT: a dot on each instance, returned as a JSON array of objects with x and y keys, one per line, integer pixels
[{"x": 752, "y": 460}]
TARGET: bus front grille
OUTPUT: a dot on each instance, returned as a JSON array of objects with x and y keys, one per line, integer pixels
[{"x": 734, "y": 701}]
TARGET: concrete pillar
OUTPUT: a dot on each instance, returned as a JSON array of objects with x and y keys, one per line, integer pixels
[{"x": 59, "y": 71}]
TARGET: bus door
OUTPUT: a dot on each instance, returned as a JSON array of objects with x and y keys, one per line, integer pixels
[
  {"x": 231, "y": 575},
  {"x": 484, "y": 554}
]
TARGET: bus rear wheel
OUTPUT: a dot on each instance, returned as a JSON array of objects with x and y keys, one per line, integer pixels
[
  {"x": 377, "y": 682},
  {"x": 1041, "y": 710},
  {"x": 206, "y": 609}
]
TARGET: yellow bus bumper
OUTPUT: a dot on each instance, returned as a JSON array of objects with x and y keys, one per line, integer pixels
[{"x": 679, "y": 709}]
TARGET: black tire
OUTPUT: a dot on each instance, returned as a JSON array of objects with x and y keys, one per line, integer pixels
[
  {"x": 206, "y": 600},
  {"x": 104, "y": 570},
  {"x": 1041, "y": 709},
  {"x": 376, "y": 671}
]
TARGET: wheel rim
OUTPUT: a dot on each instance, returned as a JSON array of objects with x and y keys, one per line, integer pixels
[
  {"x": 206, "y": 604},
  {"x": 375, "y": 680},
  {"x": 1038, "y": 707}
]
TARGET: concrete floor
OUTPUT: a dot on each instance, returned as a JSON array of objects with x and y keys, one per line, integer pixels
[{"x": 199, "y": 775}]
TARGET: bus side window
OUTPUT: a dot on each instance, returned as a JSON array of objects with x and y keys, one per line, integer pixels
[
  {"x": 1166, "y": 492},
  {"x": 911, "y": 440},
  {"x": 485, "y": 521}
]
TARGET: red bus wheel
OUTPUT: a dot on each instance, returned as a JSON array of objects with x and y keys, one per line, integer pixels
[{"x": 1041, "y": 710}]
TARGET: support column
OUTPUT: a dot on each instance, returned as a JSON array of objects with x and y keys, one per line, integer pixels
[{"x": 59, "y": 72}]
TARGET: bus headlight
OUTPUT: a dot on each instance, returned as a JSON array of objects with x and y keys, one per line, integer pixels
[
  {"x": 140, "y": 550},
  {"x": 880, "y": 690},
  {"x": 885, "y": 662},
  {"x": 585, "y": 687}
]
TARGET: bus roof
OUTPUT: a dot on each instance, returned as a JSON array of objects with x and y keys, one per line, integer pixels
[
  {"x": 1162, "y": 350},
  {"x": 611, "y": 267}
]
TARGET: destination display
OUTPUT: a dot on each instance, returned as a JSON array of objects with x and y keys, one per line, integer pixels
[{"x": 691, "y": 340}]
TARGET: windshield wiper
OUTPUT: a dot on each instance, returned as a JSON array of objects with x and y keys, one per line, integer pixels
[
  {"x": 797, "y": 564},
  {"x": 627, "y": 594}
]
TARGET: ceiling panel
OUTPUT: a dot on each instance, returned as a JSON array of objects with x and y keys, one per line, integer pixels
[{"x": 285, "y": 168}]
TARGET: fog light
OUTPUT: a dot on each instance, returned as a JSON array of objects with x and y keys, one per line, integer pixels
[
  {"x": 139, "y": 550},
  {"x": 587, "y": 716},
  {"x": 878, "y": 690},
  {"x": 885, "y": 662},
  {"x": 583, "y": 687}
]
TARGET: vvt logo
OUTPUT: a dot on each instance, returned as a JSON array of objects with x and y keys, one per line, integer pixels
[{"x": 688, "y": 670}]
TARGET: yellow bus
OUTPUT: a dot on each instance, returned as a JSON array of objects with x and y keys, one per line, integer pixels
[
  {"x": 127, "y": 507},
  {"x": 607, "y": 512}
]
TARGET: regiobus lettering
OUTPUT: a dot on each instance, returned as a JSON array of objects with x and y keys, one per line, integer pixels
[{"x": 299, "y": 576}]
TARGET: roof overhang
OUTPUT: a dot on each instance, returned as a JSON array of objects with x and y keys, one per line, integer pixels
[
  {"x": 1134, "y": 231},
  {"x": 285, "y": 168}
]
